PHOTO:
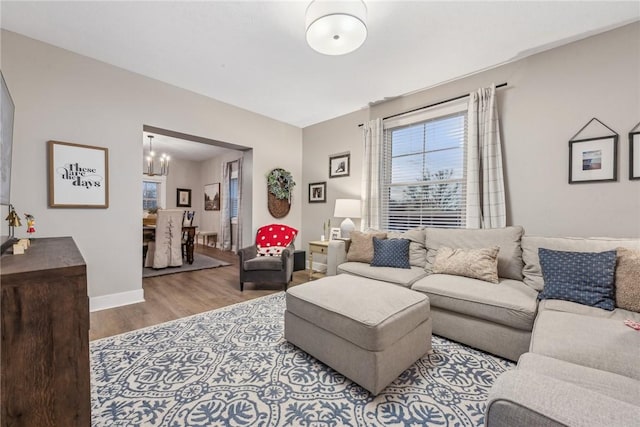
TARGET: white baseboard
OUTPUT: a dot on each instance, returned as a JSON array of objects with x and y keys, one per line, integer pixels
[
  {"x": 116, "y": 300},
  {"x": 318, "y": 266}
]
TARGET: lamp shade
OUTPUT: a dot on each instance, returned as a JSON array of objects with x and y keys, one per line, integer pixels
[
  {"x": 336, "y": 27},
  {"x": 347, "y": 208}
]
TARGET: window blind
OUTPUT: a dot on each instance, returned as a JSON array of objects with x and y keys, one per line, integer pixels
[{"x": 423, "y": 173}]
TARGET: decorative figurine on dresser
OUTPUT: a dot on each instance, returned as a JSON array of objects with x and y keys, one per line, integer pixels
[{"x": 44, "y": 354}]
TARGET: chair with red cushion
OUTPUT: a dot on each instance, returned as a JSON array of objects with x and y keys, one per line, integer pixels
[{"x": 270, "y": 259}]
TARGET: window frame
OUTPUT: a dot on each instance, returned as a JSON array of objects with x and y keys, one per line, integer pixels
[
  {"x": 162, "y": 190},
  {"x": 458, "y": 107},
  {"x": 234, "y": 177}
]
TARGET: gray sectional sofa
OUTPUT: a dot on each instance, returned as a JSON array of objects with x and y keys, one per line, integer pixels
[{"x": 577, "y": 365}]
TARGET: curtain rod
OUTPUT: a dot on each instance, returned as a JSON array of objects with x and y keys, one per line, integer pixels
[{"x": 431, "y": 105}]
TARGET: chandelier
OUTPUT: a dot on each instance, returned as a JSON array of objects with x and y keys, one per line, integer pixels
[
  {"x": 336, "y": 27},
  {"x": 152, "y": 169}
]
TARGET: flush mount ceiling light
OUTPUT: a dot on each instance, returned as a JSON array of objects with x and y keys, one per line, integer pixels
[{"x": 336, "y": 27}]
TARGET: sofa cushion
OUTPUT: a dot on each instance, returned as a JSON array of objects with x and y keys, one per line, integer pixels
[
  {"x": 417, "y": 250},
  {"x": 606, "y": 344},
  {"x": 272, "y": 263},
  {"x": 361, "y": 246},
  {"x": 582, "y": 277},
  {"x": 573, "y": 307},
  {"x": 398, "y": 276},
  {"x": 371, "y": 314},
  {"x": 507, "y": 239},
  {"x": 530, "y": 245},
  {"x": 628, "y": 279},
  {"x": 510, "y": 302},
  {"x": 607, "y": 383},
  {"x": 390, "y": 253},
  {"x": 479, "y": 264}
]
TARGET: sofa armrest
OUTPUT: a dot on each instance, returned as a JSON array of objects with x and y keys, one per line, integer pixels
[
  {"x": 336, "y": 255},
  {"x": 527, "y": 398},
  {"x": 247, "y": 253}
]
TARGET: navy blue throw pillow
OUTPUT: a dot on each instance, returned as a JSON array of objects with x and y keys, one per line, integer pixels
[
  {"x": 583, "y": 277},
  {"x": 390, "y": 253}
]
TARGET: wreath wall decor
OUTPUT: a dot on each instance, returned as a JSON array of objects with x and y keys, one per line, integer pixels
[{"x": 280, "y": 185}]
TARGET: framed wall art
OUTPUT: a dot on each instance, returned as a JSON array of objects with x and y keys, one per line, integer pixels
[
  {"x": 594, "y": 158},
  {"x": 183, "y": 197},
  {"x": 212, "y": 197},
  {"x": 634, "y": 153},
  {"x": 318, "y": 192},
  {"x": 78, "y": 175},
  {"x": 339, "y": 165}
]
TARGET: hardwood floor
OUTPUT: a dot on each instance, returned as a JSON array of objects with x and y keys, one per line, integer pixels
[{"x": 178, "y": 295}]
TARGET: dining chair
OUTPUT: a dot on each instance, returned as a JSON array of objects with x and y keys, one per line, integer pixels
[
  {"x": 165, "y": 250},
  {"x": 187, "y": 220}
]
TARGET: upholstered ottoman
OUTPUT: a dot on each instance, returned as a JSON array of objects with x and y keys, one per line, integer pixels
[{"x": 369, "y": 331}]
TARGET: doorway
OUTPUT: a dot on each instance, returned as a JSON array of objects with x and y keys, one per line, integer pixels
[{"x": 195, "y": 166}]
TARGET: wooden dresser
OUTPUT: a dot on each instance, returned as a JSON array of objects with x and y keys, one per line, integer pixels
[{"x": 44, "y": 356}]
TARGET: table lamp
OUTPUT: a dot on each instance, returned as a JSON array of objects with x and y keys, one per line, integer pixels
[{"x": 347, "y": 209}]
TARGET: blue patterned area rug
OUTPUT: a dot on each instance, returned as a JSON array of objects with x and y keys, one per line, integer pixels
[{"x": 232, "y": 367}]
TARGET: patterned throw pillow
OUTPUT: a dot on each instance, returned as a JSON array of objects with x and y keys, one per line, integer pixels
[
  {"x": 481, "y": 264},
  {"x": 272, "y": 239},
  {"x": 390, "y": 253},
  {"x": 361, "y": 247},
  {"x": 582, "y": 277},
  {"x": 627, "y": 279}
]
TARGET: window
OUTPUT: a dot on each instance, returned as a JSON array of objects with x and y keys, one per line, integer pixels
[
  {"x": 233, "y": 197},
  {"x": 423, "y": 171},
  {"x": 153, "y": 193}
]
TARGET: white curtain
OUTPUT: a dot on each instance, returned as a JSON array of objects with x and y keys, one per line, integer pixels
[
  {"x": 485, "y": 181},
  {"x": 225, "y": 216},
  {"x": 373, "y": 138},
  {"x": 238, "y": 236}
]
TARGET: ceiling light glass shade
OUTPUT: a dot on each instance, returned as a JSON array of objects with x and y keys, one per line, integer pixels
[{"x": 336, "y": 27}]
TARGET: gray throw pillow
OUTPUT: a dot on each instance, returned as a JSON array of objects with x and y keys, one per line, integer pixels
[{"x": 417, "y": 250}]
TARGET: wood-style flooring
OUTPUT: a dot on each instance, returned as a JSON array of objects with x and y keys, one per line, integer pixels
[{"x": 179, "y": 295}]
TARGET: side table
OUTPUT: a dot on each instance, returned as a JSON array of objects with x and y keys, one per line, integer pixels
[{"x": 318, "y": 247}]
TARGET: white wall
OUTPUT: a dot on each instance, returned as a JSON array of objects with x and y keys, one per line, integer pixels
[
  {"x": 63, "y": 96},
  {"x": 184, "y": 174},
  {"x": 211, "y": 172},
  {"x": 549, "y": 97}
]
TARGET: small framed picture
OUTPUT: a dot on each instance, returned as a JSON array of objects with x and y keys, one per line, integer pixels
[
  {"x": 339, "y": 165},
  {"x": 318, "y": 192},
  {"x": 334, "y": 234},
  {"x": 593, "y": 160},
  {"x": 78, "y": 176},
  {"x": 634, "y": 154},
  {"x": 183, "y": 197},
  {"x": 212, "y": 197}
]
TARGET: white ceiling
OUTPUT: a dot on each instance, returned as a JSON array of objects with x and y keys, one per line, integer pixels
[{"x": 253, "y": 54}]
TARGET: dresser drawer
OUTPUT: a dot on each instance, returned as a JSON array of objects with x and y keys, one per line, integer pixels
[{"x": 318, "y": 249}]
